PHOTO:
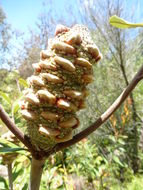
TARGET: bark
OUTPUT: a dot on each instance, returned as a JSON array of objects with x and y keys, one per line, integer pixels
[
  {"x": 9, "y": 167},
  {"x": 36, "y": 173},
  {"x": 15, "y": 130},
  {"x": 37, "y": 164},
  {"x": 106, "y": 115}
]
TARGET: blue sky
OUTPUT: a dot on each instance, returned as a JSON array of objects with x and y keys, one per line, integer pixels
[{"x": 22, "y": 14}]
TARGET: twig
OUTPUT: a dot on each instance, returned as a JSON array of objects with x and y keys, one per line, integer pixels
[
  {"x": 9, "y": 168},
  {"x": 138, "y": 77},
  {"x": 12, "y": 127},
  {"x": 103, "y": 117}
]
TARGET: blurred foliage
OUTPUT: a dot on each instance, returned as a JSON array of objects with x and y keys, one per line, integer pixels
[
  {"x": 5, "y": 36},
  {"x": 103, "y": 161},
  {"x": 4, "y": 30},
  {"x": 99, "y": 162}
]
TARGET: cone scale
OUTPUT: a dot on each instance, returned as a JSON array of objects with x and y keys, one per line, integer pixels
[{"x": 58, "y": 87}]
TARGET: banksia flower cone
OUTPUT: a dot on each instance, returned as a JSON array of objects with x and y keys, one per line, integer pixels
[{"x": 57, "y": 89}]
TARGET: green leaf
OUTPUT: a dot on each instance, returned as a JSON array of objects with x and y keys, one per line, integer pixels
[
  {"x": 6, "y": 143},
  {"x": 5, "y": 97},
  {"x": 23, "y": 82},
  {"x": 4, "y": 150},
  {"x": 15, "y": 107},
  {"x": 2, "y": 180},
  {"x": 141, "y": 88},
  {"x": 121, "y": 141},
  {"x": 121, "y": 23},
  {"x": 17, "y": 173},
  {"x": 116, "y": 159},
  {"x": 25, "y": 187},
  {"x": 9, "y": 147}
]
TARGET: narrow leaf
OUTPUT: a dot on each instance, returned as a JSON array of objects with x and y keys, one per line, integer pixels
[
  {"x": 116, "y": 159},
  {"x": 15, "y": 107},
  {"x": 6, "y": 143},
  {"x": 2, "y": 180},
  {"x": 121, "y": 23},
  {"x": 5, "y": 97},
  {"x": 23, "y": 82},
  {"x": 25, "y": 187},
  {"x": 17, "y": 173},
  {"x": 4, "y": 150}
]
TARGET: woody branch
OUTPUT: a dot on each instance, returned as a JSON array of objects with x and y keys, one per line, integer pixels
[{"x": 102, "y": 119}]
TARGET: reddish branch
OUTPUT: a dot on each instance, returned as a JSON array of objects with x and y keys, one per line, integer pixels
[
  {"x": 16, "y": 131},
  {"x": 138, "y": 77}
]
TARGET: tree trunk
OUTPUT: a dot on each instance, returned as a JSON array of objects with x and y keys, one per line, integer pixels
[{"x": 36, "y": 173}]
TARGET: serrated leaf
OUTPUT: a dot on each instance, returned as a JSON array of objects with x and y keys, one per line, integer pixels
[
  {"x": 121, "y": 23},
  {"x": 5, "y": 97},
  {"x": 23, "y": 82}
]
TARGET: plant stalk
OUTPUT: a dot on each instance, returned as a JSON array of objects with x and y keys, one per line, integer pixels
[
  {"x": 36, "y": 173},
  {"x": 9, "y": 168}
]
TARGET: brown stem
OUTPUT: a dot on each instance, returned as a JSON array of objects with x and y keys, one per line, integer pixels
[
  {"x": 36, "y": 173},
  {"x": 138, "y": 77},
  {"x": 9, "y": 168},
  {"x": 104, "y": 116},
  {"x": 135, "y": 117},
  {"x": 12, "y": 127}
]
